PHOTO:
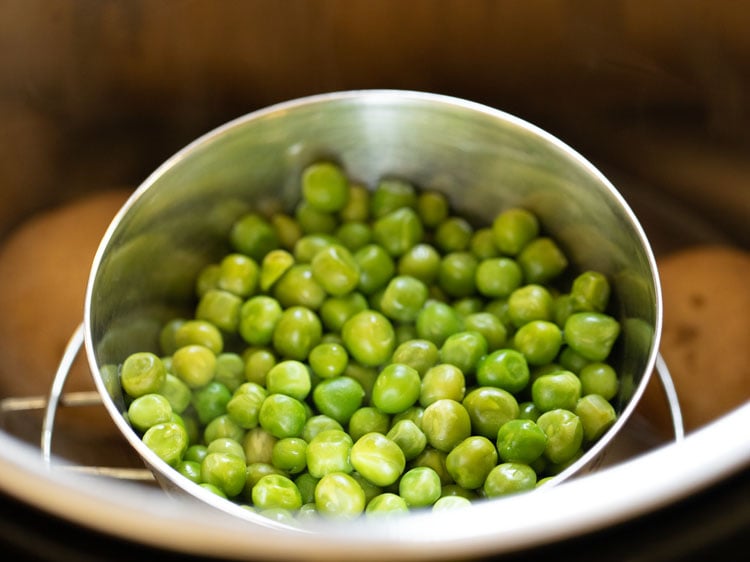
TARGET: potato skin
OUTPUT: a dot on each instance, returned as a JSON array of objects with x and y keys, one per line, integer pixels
[{"x": 706, "y": 334}]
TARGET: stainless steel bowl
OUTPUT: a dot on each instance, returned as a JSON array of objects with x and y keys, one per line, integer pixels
[{"x": 481, "y": 158}]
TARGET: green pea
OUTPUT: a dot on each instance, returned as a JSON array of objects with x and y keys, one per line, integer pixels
[
  {"x": 195, "y": 365},
  {"x": 464, "y": 350},
  {"x": 509, "y": 478},
  {"x": 436, "y": 321},
  {"x": 258, "y": 317},
  {"x": 230, "y": 370},
  {"x": 365, "y": 376},
  {"x": 599, "y": 378},
  {"x": 489, "y": 408},
  {"x": 282, "y": 416},
  {"x": 142, "y": 373},
  {"x": 338, "y": 397},
  {"x": 168, "y": 440},
  {"x": 357, "y": 207},
  {"x": 386, "y": 503},
  {"x": 306, "y": 484},
  {"x": 176, "y": 392},
  {"x": 314, "y": 221},
  {"x": 378, "y": 459},
  {"x": 398, "y": 231},
  {"x": 413, "y": 414},
  {"x": 195, "y": 453},
  {"x": 409, "y": 437},
  {"x": 596, "y": 414},
  {"x": 226, "y": 445},
  {"x": 390, "y": 195},
  {"x": 504, "y": 368},
  {"x": 457, "y": 273},
  {"x": 450, "y": 502},
  {"x": 328, "y": 360},
  {"x": 289, "y": 455},
  {"x": 298, "y": 287},
  {"x": 371, "y": 490},
  {"x": 258, "y": 361},
  {"x": 591, "y": 334},
  {"x": 309, "y": 245},
  {"x": 208, "y": 278},
  {"x": 276, "y": 491},
  {"x": 376, "y": 268},
  {"x": 403, "y": 298},
  {"x": 490, "y": 326},
  {"x": 498, "y": 277},
  {"x": 149, "y": 410},
  {"x": 468, "y": 305},
  {"x": 222, "y": 426},
  {"x": 253, "y": 236},
  {"x": 367, "y": 420},
  {"x": 317, "y": 423},
  {"x": 287, "y": 230},
  {"x": 335, "y": 311},
  {"x": 542, "y": 260},
  {"x": 571, "y": 360},
  {"x": 590, "y": 292},
  {"x": 335, "y": 269},
  {"x": 528, "y": 303},
  {"x": 369, "y": 337},
  {"x": 297, "y": 332},
  {"x": 562, "y": 307},
  {"x": 275, "y": 264},
  {"x": 561, "y": 389},
  {"x": 513, "y": 229},
  {"x": 420, "y": 487},
  {"x": 432, "y": 207},
  {"x": 396, "y": 388},
  {"x": 256, "y": 471},
  {"x": 238, "y": 274},
  {"x": 329, "y": 451},
  {"x": 442, "y": 381},
  {"x": 529, "y": 411},
  {"x": 190, "y": 470},
  {"x": 564, "y": 434},
  {"x": 434, "y": 460},
  {"x": 539, "y": 341},
  {"x": 354, "y": 235},
  {"x": 421, "y": 261},
  {"x": 418, "y": 354},
  {"x": 446, "y": 423},
  {"x": 453, "y": 234},
  {"x": 339, "y": 495},
  {"x": 200, "y": 332},
  {"x": 521, "y": 441},
  {"x": 471, "y": 461},
  {"x": 325, "y": 187},
  {"x": 221, "y": 308},
  {"x": 482, "y": 244},
  {"x": 289, "y": 377},
  {"x": 210, "y": 401}
]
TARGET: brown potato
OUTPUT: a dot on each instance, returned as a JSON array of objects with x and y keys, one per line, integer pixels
[{"x": 706, "y": 334}]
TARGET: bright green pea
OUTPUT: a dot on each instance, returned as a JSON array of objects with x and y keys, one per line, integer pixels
[
  {"x": 564, "y": 432},
  {"x": 403, "y": 298},
  {"x": 528, "y": 303},
  {"x": 391, "y": 194},
  {"x": 386, "y": 503},
  {"x": 513, "y": 229},
  {"x": 335, "y": 269},
  {"x": 238, "y": 274},
  {"x": 442, "y": 381},
  {"x": 314, "y": 221},
  {"x": 298, "y": 287},
  {"x": 432, "y": 207},
  {"x": 256, "y": 471},
  {"x": 471, "y": 461},
  {"x": 338, "y": 397},
  {"x": 253, "y": 236},
  {"x": 418, "y": 354},
  {"x": 221, "y": 308},
  {"x": 420, "y": 487},
  {"x": 378, "y": 459},
  {"x": 329, "y": 451},
  {"x": 529, "y": 411},
  {"x": 273, "y": 267},
  {"x": 436, "y": 321},
  {"x": 590, "y": 292},
  {"x": 289, "y": 377},
  {"x": 199, "y": 332},
  {"x": 317, "y": 423},
  {"x": 176, "y": 392},
  {"x": 195, "y": 453},
  {"x": 230, "y": 370},
  {"x": 168, "y": 440},
  {"x": 149, "y": 410},
  {"x": 504, "y": 368},
  {"x": 453, "y": 234},
  {"x": 409, "y": 437},
  {"x": 435, "y": 460},
  {"x": 335, "y": 311},
  {"x": 376, "y": 267},
  {"x": 213, "y": 489},
  {"x": 445, "y": 503},
  {"x": 258, "y": 317},
  {"x": 446, "y": 423},
  {"x": 258, "y": 361},
  {"x": 223, "y": 426},
  {"x": 287, "y": 231},
  {"x": 325, "y": 187},
  {"x": 498, "y": 277},
  {"x": 357, "y": 207},
  {"x": 195, "y": 365},
  {"x": 282, "y": 416},
  {"x": 490, "y": 326},
  {"x": 521, "y": 440},
  {"x": 367, "y": 420},
  {"x": 456, "y": 274},
  {"x": 354, "y": 235},
  {"x": 464, "y": 350},
  {"x": 509, "y": 478},
  {"x": 489, "y": 408},
  {"x": 190, "y": 470},
  {"x": 592, "y": 334},
  {"x": 542, "y": 260},
  {"x": 339, "y": 495},
  {"x": 596, "y": 414},
  {"x": 539, "y": 341},
  {"x": 258, "y": 444},
  {"x": 226, "y": 445},
  {"x": 398, "y": 231},
  {"x": 414, "y": 414},
  {"x": 225, "y": 471},
  {"x": 421, "y": 261},
  {"x": 571, "y": 360},
  {"x": 599, "y": 378},
  {"x": 369, "y": 337},
  {"x": 482, "y": 244},
  {"x": 561, "y": 389},
  {"x": 310, "y": 244},
  {"x": 210, "y": 401},
  {"x": 142, "y": 373},
  {"x": 297, "y": 332},
  {"x": 396, "y": 388},
  {"x": 328, "y": 360},
  {"x": 290, "y": 455},
  {"x": 276, "y": 491}
]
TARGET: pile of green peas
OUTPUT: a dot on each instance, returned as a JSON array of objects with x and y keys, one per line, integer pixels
[{"x": 372, "y": 352}]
